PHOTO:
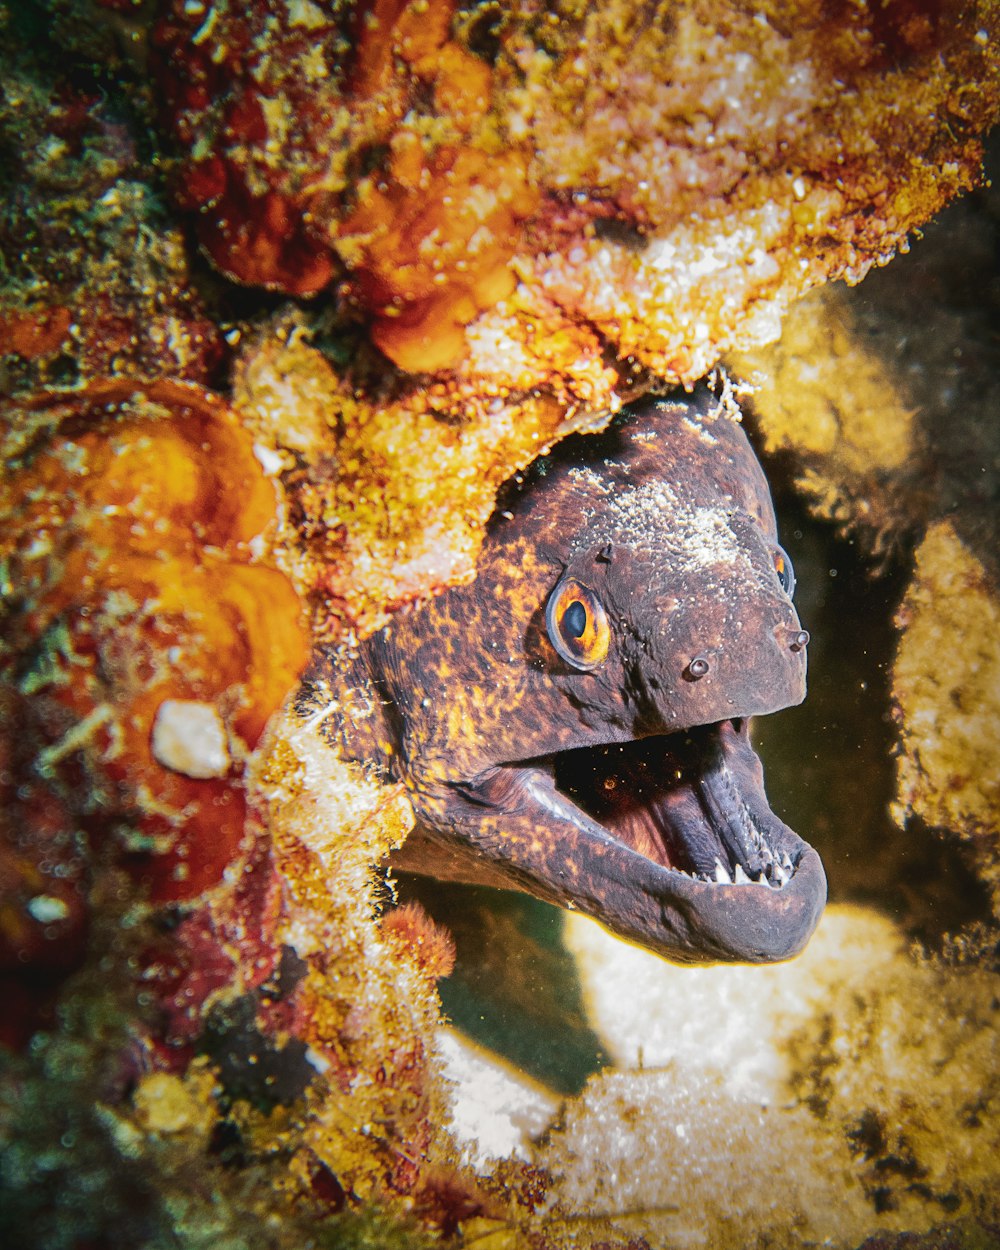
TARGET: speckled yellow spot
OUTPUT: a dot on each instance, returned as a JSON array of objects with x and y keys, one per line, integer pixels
[{"x": 165, "y": 1103}]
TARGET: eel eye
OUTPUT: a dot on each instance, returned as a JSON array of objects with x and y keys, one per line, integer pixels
[
  {"x": 577, "y": 624},
  {"x": 786, "y": 574}
]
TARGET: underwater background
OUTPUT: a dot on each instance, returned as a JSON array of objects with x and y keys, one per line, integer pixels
[{"x": 287, "y": 290}]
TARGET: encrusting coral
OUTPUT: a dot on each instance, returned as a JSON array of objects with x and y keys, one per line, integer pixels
[
  {"x": 499, "y": 223},
  {"x": 144, "y": 649},
  {"x": 361, "y": 1004},
  {"x": 131, "y": 514},
  {"x": 536, "y": 212},
  {"x": 281, "y": 136},
  {"x": 146, "y": 645},
  {"x": 383, "y": 502},
  {"x": 669, "y": 179},
  {"x": 946, "y": 683},
  {"x": 95, "y": 278}
]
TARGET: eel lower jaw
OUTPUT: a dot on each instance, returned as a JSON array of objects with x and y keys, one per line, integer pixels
[{"x": 714, "y": 874}]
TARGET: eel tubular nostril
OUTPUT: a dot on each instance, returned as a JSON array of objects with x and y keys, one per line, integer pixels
[{"x": 799, "y": 639}]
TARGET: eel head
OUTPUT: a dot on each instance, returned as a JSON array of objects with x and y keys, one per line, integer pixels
[{"x": 575, "y": 723}]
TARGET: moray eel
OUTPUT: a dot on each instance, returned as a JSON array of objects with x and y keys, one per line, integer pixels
[{"x": 574, "y": 722}]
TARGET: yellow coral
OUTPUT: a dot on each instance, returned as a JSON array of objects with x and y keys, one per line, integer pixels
[
  {"x": 823, "y": 392},
  {"x": 388, "y": 500},
  {"x": 721, "y": 166},
  {"x": 133, "y": 518},
  {"x": 165, "y": 1103},
  {"x": 367, "y": 1011},
  {"x": 946, "y": 683}
]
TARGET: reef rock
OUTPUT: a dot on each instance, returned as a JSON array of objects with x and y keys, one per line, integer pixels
[
  {"x": 95, "y": 279},
  {"x": 946, "y": 684},
  {"x": 537, "y": 213},
  {"x": 669, "y": 179},
  {"x": 848, "y": 1092},
  {"x": 384, "y": 502}
]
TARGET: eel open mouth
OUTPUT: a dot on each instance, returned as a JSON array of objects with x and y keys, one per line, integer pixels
[
  {"x": 671, "y": 842},
  {"x": 691, "y": 801}
]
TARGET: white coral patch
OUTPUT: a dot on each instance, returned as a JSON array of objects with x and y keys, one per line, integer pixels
[{"x": 190, "y": 738}]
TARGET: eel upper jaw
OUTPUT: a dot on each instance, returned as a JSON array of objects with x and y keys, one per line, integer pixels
[{"x": 676, "y": 846}]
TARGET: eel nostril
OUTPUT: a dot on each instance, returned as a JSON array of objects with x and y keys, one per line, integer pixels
[
  {"x": 799, "y": 640},
  {"x": 698, "y": 667}
]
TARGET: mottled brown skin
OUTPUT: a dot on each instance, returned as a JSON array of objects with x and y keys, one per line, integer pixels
[{"x": 615, "y": 791}]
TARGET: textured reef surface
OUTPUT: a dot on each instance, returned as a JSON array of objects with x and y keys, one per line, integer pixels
[{"x": 287, "y": 289}]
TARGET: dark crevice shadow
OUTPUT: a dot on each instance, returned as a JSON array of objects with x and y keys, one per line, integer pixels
[{"x": 515, "y": 988}]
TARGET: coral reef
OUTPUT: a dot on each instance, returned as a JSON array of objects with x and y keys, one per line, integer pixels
[
  {"x": 280, "y": 1072},
  {"x": 157, "y": 640},
  {"x": 498, "y": 223},
  {"x": 669, "y": 179},
  {"x": 850, "y": 1091},
  {"x": 206, "y": 1007},
  {"x": 385, "y": 503},
  {"x": 363, "y": 1007},
  {"x": 95, "y": 279},
  {"x": 946, "y": 683},
  {"x": 537, "y": 213},
  {"x": 281, "y": 137},
  {"x": 144, "y": 648},
  {"x": 76, "y": 1170}
]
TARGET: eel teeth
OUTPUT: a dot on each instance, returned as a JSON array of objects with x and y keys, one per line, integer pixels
[{"x": 773, "y": 875}]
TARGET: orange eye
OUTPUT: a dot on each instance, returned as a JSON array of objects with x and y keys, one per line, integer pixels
[
  {"x": 786, "y": 574},
  {"x": 577, "y": 624}
]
